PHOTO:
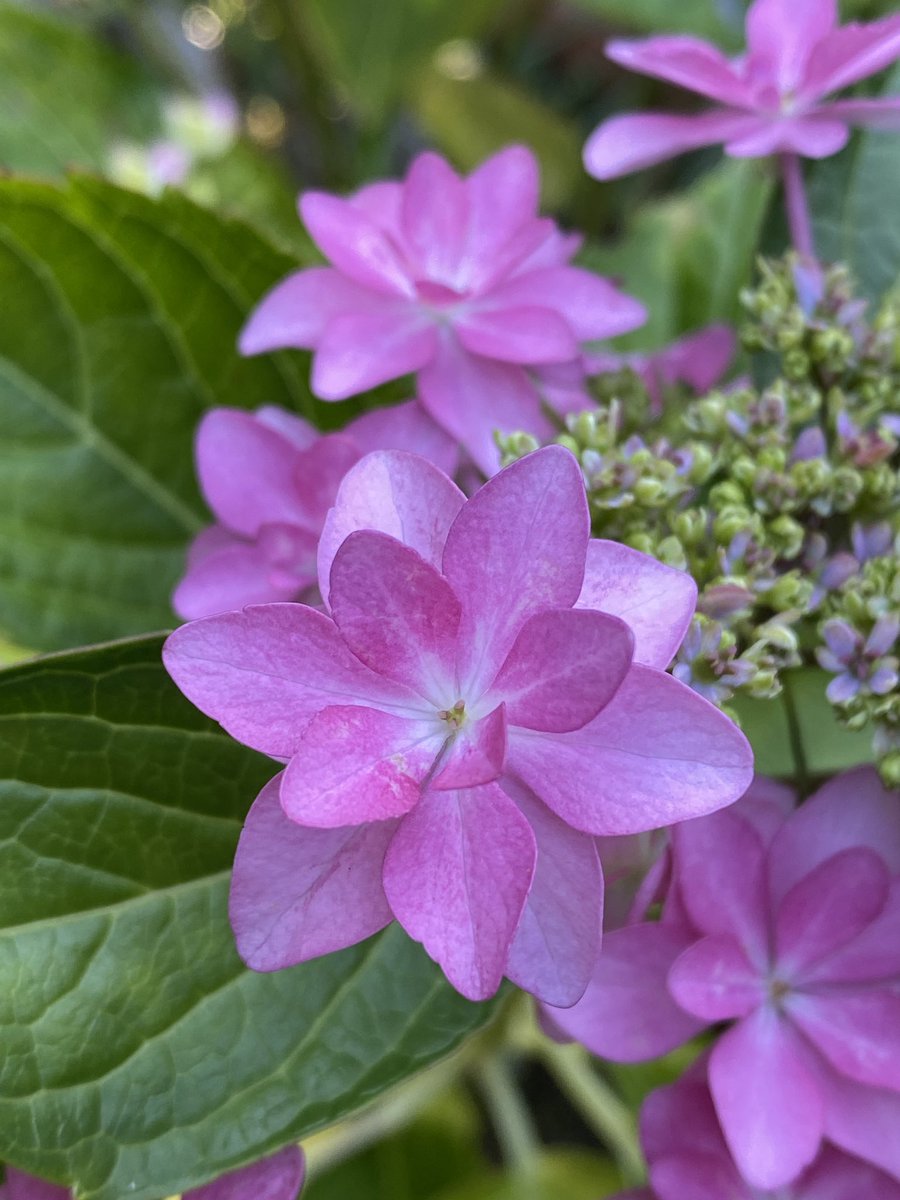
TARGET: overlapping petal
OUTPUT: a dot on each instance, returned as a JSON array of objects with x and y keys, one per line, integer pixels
[
  {"x": 355, "y": 244},
  {"x": 296, "y": 311},
  {"x": 636, "y": 140},
  {"x": 358, "y": 351},
  {"x": 686, "y": 61}
]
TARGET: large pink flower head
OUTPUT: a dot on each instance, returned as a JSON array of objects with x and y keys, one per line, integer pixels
[
  {"x": 771, "y": 100},
  {"x": 786, "y": 925},
  {"x": 486, "y": 695},
  {"x": 456, "y": 279}
]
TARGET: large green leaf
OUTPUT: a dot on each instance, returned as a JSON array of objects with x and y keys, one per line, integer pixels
[
  {"x": 719, "y": 20},
  {"x": 120, "y": 316},
  {"x": 137, "y": 1055}
]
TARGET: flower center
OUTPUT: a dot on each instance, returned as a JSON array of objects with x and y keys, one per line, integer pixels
[{"x": 455, "y": 716}]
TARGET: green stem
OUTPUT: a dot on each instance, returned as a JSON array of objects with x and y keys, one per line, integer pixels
[
  {"x": 795, "y": 734},
  {"x": 604, "y": 1111},
  {"x": 510, "y": 1117}
]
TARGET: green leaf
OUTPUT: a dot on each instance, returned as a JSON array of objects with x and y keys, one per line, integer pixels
[
  {"x": 121, "y": 315},
  {"x": 65, "y": 97},
  {"x": 718, "y": 20},
  {"x": 573, "y": 1174},
  {"x": 139, "y": 1056}
]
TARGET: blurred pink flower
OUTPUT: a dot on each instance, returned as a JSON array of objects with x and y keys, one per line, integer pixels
[
  {"x": 458, "y": 280},
  {"x": 487, "y": 694},
  {"x": 769, "y": 101}
]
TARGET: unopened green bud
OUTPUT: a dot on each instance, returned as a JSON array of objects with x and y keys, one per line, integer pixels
[
  {"x": 671, "y": 552},
  {"x": 764, "y": 684},
  {"x": 889, "y": 768},
  {"x": 690, "y": 526},
  {"x": 641, "y": 541},
  {"x": 786, "y": 535}
]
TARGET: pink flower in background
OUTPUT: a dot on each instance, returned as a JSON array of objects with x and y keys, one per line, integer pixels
[
  {"x": 278, "y": 1177},
  {"x": 771, "y": 100},
  {"x": 270, "y": 479},
  {"x": 787, "y": 925},
  {"x": 487, "y": 695},
  {"x": 456, "y": 279}
]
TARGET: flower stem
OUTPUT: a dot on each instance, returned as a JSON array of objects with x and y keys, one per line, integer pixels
[
  {"x": 795, "y": 734},
  {"x": 510, "y": 1117},
  {"x": 798, "y": 216},
  {"x": 604, "y": 1111}
]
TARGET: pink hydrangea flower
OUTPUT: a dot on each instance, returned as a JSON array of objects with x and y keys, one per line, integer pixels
[
  {"x": 786, "y": 925},
  {"x": 689, "y": 1159},
  {"x": 278, "y": 1177},
  {"x": 770, "y": 100},
  {"x": 486, "y": 695},
  {"x": 458, "y": 280},
  {"x": 270, "y": 479}
]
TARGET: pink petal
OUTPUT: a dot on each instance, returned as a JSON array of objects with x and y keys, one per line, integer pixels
[
  {"x": 593, "y": 307},
  {"x": 637, "y": 140},
  {"x": 863, "y": 1120},
  {"x": 516, "y": 335},
  {"x": 656, "y": 755},
  {"x": 835, "y": 1176},
  {"x": 234, "y": 576},
  {"x": 456, "y": 876},
  {"x": 246, "y": 471},
  {"x": 318, "y": 473},
  {"x": 627, "y": 1014},
  {"x": 476, "y": 754},
  {"x": 682, "y": 1117},
  {"x": 768, "y": 1101},
  {"x": 355, "y": 244},
  {"x": 503, "y": 196},
  {"x": 354, "y": 765},
  {"x": 564, "y": 667},
  {"x": 781, "y": 34},
  {"x": 397, "y": 613},
  {"x": 518, "y": 546},
  {"x": 811, "y": 136},
  {"x": 299, "y": 893},
  {"x": 829, "y": 907},
  {"x": 858, "y": 1033},
  {"x": 850, "y": 53},
  {"x": 873, "y": 956},
  {"x": 697, "y": 1176},
  {"x": 655, "y": 601},
  {"x": 435, "y": 212},
  {"x": 398, "y": 493},
  {"x": 20, "y": 1186},
  {"x": 766, "y": 804},
  {"x": 715, "y": 981},
  {"x": 360, "y": 350},
  {"x": 699, "y": 360},
  {"x": 296, "y": 311},
  {"x": 557, "y": 942},
  {"x": 852, "y": 809},
  {"x": 686, "y": 61},
  {"x": 264, "y": 673},
  {"x": 277, "y": 1177},
  {"x": 473, "y": 397},
  {"x": 405, "y": 427},
  {"x": 382, "y": 203},
  {"x": 883, "y": 113}
]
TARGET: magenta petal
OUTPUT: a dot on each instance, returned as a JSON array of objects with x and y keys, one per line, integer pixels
[
  {"x": 780, "y": 36},
  {"x": 715, "y": 981},
  {"x": 655, "y": 601},
  {"x": 656, "y": 755},
  {"x": 872, "y": 957},
  {"x": 296, "y": 311},
  {"x": 835, "y": 1176},
  {"x": 681, "y": 1116},
  {"x": 811, "y": 136},
  {"x": 299, "y": 893},
  {"x": 516, "y": 335},
  {"x": 686, "y": 61},
  {"x": 829, "y": 907},
  {"x": 434, "y": 216},
  {"x": 858, "y": 1033},
  {"x": 564, "y": 667},
  {"x": 355, "y": 244},
  {"x": 318, "y": 472},
  {"x": 476, "y": 754},
  {"x": 397, "y": 613},
  {"x": 638, "y": 140},
  {"x": 277, "y": 1177},
  {"x": 503, "y": 196},
  {"x": 405, "y": 427},
  {"x": 517, "y": 547},
  {"x": 234, "y": 576},
  {"x": 353, "y": 765},
  {"x": 627, "y": 1013},
  {"x": 768, "y": 1101},
  {"x": 850, "y": 53},
  {"x": 883, "y": 113},
  {"x": 20, "y": 1186},
  {"x": 697, "y": 1176},
  {"x": 382, "y": 202},
  {"x": 265, "y": 672},
  {"x": 359, "y": 350},
  {"x": 473, "y": 398},
  {"x": 593, "y": 307},
  {"x": 556, "y": 945},
  {"x": 456, "y": 876},
  {"x": 863, "y": 1120}
]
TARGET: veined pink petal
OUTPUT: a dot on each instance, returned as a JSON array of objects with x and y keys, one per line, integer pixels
[
  {"x": 296, "y": 311},
  {"x": 456, "y": 876},
  {"x": 715, "y": 981},
  {"x": 516, "y": 335},
  {"x": 518, "y": 546},
  {"x": 396, "y": 612},
  {"x": 768, "y": 1100},
  {"x": 299, "y": 893},
  {"x": 476, "y": 755},
  {"x": 637, "y": 140},
  {"x": 355, "y": 244},
  {"x": 858, "y": 1032},
  {"x": 354, "y": 765},
  {"x": 593, "y": 307},
  {"x": 555, "y": 948},
  {"x": 829, "y": 907},
  {"x": 564, "y": 667},
  {"x": 862, "y": 1120},
  {"x": 882, "y": 113},
  {"x": 398, "y": 493},
  {"x": 435, "y": 212},
  {"x": 473, "y": 397},
  {"x": 503, "y": 196},
  {"x": 686, "y": 61},
  {"x": 850, "y": 53},
  {"x": 627, "y": 1013},
  {"x": 408, "y": 427},
  {"x": 811, "y": 136},
  {"x": 277, "y": 1177},
  {"x": 265, "y": 672},
  {"x": 781, "y": 34},
  {"x": 655, "y": 601},
  {"x": 656, "y": 755},
  {"x": 359, "y": 350},
  {"x": 234, "y": 576}
]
